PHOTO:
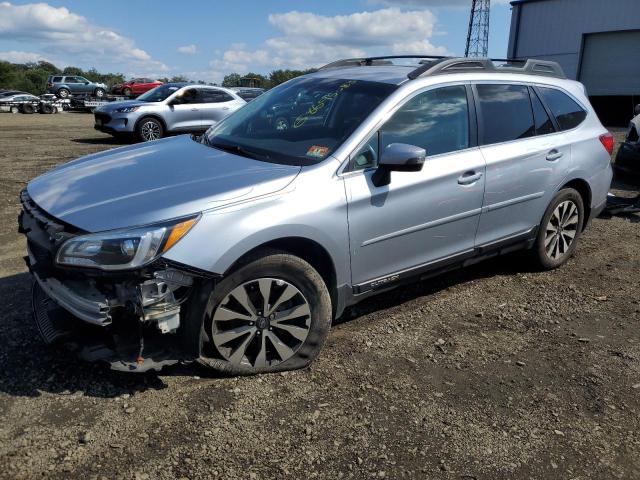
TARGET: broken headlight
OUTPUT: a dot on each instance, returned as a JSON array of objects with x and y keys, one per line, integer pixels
[{"x": 123, "y": 249}]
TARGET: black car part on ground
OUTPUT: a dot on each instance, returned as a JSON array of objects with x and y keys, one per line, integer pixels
[
  {"x": 627, "y": 162},
  {"x": 621, "y": 205},
  {"x": 135, "y": 320}
]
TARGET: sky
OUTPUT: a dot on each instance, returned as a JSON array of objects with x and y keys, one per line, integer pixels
[{"x": 204, "y": 40}]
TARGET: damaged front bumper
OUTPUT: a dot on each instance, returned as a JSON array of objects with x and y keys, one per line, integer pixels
[{"x": 133, "y": 320}]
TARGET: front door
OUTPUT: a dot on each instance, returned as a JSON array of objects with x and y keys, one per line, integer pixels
[
  {"x": 421, "y": 219},
  {"x": 185, "y": 112}
]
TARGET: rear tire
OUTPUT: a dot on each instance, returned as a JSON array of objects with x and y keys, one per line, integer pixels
[
  {"x": 99, "y": 92},
  {"x": 288, "y": 336},
  {"x": 149, "y": 129},
  {"x": 63, "y": 93},
  {"x": 559, "y": 230},
  {"x": 14, "y": 109},
  {"x": 126, "y": 92}
]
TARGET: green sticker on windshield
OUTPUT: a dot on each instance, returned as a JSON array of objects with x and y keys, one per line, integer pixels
[{"x": 320, "y": 104}]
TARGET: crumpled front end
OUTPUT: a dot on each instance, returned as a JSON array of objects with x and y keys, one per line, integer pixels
[{"x": 134, "y": 320}]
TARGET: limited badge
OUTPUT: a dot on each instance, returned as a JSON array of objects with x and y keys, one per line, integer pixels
[{"x": 317, "y": 151}]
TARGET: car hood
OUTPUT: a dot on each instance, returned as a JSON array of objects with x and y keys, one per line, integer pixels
[
  {"x": 152, "y": 182},
  {"x": 112, "y": 106}
]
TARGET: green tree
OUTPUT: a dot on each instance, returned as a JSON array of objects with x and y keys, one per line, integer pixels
[
  {"x": 231, "y": 80},
  {"x": 179, "y": 79},
  {"x": 276, "y": 77}
]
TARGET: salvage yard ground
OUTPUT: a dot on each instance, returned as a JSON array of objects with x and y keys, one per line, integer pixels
[{"x": 495, "y": 372}]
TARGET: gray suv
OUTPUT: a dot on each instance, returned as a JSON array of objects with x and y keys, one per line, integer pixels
[
  {"x": 168, "y": 109},
  {"x": 238, "y": 250},
  {"x": 65, "y": 85}
]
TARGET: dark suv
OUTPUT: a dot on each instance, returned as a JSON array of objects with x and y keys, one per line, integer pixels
[{"x": 65, "y": 85}]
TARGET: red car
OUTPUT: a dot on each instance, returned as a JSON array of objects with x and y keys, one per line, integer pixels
[{"x": 136, "y": 86}]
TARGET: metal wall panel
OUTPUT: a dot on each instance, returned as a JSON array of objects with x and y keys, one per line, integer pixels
[
  {"x": 611, "y": 63},
  {"x": 554, "y": 29}
]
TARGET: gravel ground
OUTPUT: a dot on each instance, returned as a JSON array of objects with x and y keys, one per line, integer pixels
[{"x": 494, "y": 372}]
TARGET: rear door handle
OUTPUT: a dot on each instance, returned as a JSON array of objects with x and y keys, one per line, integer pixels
[
  {"x": 554, "y": 155},
  {"x": 194, "y": 109},
  {"x": 469, "y": 177},
  {"x": 225, "y": 108}
]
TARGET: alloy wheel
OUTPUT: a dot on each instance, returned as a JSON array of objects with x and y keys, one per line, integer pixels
[
  {"x": 150, "y": 131},
  {"x": 261, "y": 323},
  {"x": 561, "y": 230}
]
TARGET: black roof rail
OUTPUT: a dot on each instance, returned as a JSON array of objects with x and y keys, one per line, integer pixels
[
  {"x": 438, "y": 65},
  {"x": 463, "y": 65},
  {"x": 368, "y": 61}
]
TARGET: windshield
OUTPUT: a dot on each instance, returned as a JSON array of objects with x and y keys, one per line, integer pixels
[
  {"x": 158, "y": 94},
  {"x": 300, "y": 122}
]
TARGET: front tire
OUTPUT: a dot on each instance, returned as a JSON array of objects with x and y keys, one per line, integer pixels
[
  {"x": 149, "y": 129},
  {"x": 126, "y": 92},
  {"x": 270, "y": 315},
  {"x": 559, "y": 230},
  {"x": 14, "y": 109},
  {"x": 99, "y": 92}
]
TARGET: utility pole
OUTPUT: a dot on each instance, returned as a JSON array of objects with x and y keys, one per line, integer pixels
[{"x": 478, "y": 36}]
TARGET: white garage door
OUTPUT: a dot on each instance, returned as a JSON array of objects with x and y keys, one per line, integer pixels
[{"x": 611, "y": 63}]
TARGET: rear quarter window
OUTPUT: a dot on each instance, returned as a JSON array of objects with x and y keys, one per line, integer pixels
[
  {"x": 56, "y": 79},
  {"x": 566, "y": 110}
]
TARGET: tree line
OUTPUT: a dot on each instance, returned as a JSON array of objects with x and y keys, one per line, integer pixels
[{"x": 32, "y": 77}]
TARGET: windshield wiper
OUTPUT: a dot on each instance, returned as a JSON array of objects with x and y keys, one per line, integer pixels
[{"x": 237, "y": 149}]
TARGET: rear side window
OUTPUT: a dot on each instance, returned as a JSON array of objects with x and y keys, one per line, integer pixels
[
  {"x": 567, "y": 112},
  {"x": 436, "y": 120},
  {"x": 544, "y": 125},
  {"x": 209, "y": 95},
  {"x": 56, "y": 79},
  {"x": 506, "y": 113}
]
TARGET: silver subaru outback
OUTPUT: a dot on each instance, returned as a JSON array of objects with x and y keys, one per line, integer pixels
[
  {"x": 168, "y": 109},
  {"x": 239, "y": 249}
]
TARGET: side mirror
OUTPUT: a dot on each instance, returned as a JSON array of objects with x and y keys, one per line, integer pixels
[
  {"x": 398, "y": 157},
  {"x": 637, "y": 109}
]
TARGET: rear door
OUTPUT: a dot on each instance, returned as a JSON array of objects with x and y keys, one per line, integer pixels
[
  {"x": 216, "y": 104},
  {"x": 421, "y": 219},
  {"x": 73, "y": 84},
  {"x": 526, "y": 157}
]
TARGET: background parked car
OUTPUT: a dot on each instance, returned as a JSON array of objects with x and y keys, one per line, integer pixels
[
  {"x": 247, "y": 93},
  {"x": 65, "y": 85},
  {"x": 9, "y": 93},
  {"x": 627, "y": 164},
  {"x": 136, "y": 86},
  {"x": 169, "y": 108},
  {"x": 22, "y": 102}
]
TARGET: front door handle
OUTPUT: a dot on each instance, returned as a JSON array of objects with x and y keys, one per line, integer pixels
[
  {"x": 469, "y": 177},
  {"x": 225, "y": 108},
  {"x": 554, "y": 155},
  {"x": 194, "y": 109}
]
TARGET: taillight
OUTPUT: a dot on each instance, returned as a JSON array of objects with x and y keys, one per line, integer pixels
[
  {"x": 49, "y": 85},
  {"x": 607, "y": 141}
]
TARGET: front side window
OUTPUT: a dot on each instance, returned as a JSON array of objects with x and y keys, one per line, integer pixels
[
  {"x": 300, "y": 122},
  {"x": 567, "y": 112},
  {"x": 505, "y": 112},
  {"x": 436, "y": 120},
  {"x": 71, "y": 80}
]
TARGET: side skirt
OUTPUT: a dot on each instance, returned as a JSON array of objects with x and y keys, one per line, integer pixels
[{"x": 521, "y": 241}]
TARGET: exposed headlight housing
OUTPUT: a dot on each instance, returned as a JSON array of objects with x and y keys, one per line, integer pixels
[
  {"x": 123, "y": 249},
  {"x": 127, "y": 109}
]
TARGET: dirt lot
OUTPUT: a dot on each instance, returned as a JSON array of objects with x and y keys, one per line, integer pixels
[{"x": 492, "y": 373}]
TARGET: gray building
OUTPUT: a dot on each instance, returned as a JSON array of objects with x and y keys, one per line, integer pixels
[{"x": 595, "y": 41}]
